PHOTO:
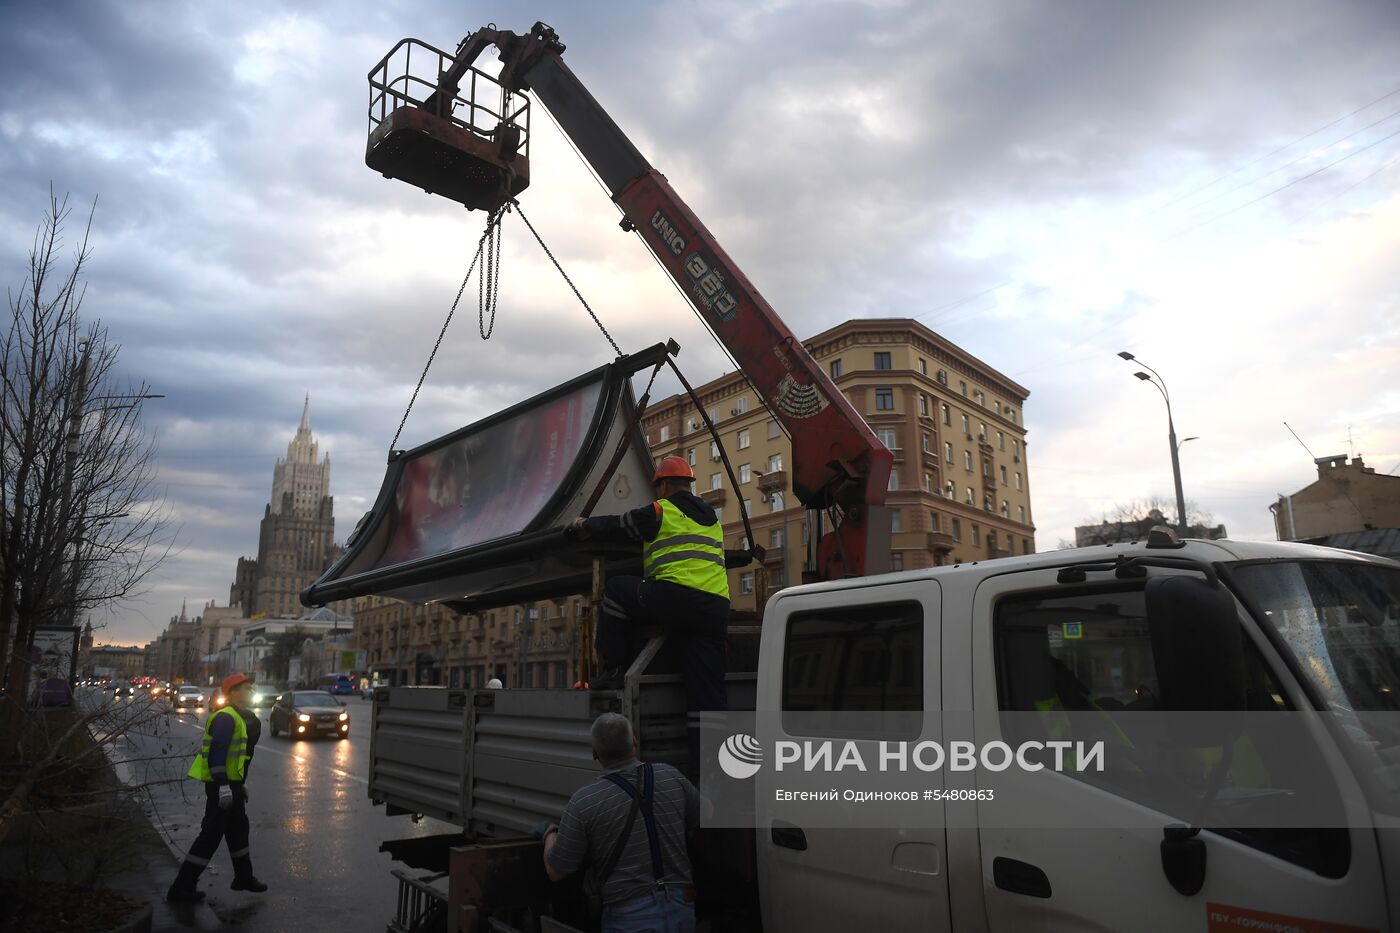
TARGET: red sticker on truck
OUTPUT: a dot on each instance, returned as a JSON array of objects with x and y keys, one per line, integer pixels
[{"x": 1222, "y": 918}]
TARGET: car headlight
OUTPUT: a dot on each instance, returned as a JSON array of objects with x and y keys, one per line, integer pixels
[
  {"x": 344, "y": 717},
  {"x": 302, "y": 717}
]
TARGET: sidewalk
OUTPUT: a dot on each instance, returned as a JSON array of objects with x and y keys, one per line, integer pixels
[{"x": 149, "y": 875}]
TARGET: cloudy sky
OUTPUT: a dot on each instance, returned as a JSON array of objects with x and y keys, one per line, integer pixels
[{"x": 1213, "y": 186}]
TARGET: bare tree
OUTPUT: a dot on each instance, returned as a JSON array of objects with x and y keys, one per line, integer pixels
[
  {"x": 1132, "y": 520},
  {"x": 83, "y": 523}
]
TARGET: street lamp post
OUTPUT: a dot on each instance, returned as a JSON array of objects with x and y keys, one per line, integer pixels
[{"x": 1161, "y": 386}]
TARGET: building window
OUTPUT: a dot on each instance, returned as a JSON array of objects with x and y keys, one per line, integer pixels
[
  {"x": 744, "y": 439},
  {"x": 746, "y": 582},
  {"x": 950, "y": 490},
  {"x": 933, "y": 521},
  {"x": 896, "y": 521},
  {"x": 715, "y": 480},
  {"x": 748, "y": 507},
  {"x": 1025, "y": 545},
  {"x": 773, "y": 429},
  {"x": 1016, "y": 450},
  {"x": 967, "y": 426},
  {"x": 927, "y": 441},
  {"x": 775, "y": 462},
  {"x": 714, "y": 450},
  {"x": 962, "y": 387},
  {"x": 665, "y": 432},
  {"x": 971, "y": 496},
  {"x": 882, "y": 360},
  {"x": 690, "y": 456},
  {"x": 943, "y": 377},
  {"x": 982, "y": 431},
  {"x": 719, "y": 514},
  {"x": 835, "y": 369},
  {"x": 967, "y": 460},
  {"x": 957, "y": 529},
  {"x": 894, "y": 480},
  {"x": 991, "y": 542},
  {"x": 923, "y": 404},
  {"x": 897, "y": 560},
  {"x": 923, "y": 366},
  {"x": 1003, "y": 475},
  {"x": 1021, "y": 514},
  {"x": 1018, "y": 480},
  {"x": 979, "y": 397},
  {"x": 1001, "y": 441},
  {"x": 947, "y": 415},
  {"x": 776, "y": 502},
  {"x": 987, "y": 502},
  {"x": 976, "y": 536},
  {"x": 713, "y": 413},
  {"x": 888, "y": 438},
  {"x": 928, "y": 482},
  {"x": 884, "y": 399},
  {"x": 775, "y": 538},
  {"x": 948, "y": 451},
  {"x": 1005, "y": 509},
  {"x": 745, "y": 473}
]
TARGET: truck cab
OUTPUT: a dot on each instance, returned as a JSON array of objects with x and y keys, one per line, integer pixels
[{"x": 967, "y": 649}]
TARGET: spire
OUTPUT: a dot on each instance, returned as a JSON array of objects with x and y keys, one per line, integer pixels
[
  {"x": 306, "y": 414},
  {"x": 182, "y": 610}
]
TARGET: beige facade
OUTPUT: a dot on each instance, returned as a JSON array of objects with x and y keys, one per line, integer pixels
[
  {"x": 960, "y": 492},
  {"x": 529, "y": 645},
  {"x": 1345, "y": 497}
]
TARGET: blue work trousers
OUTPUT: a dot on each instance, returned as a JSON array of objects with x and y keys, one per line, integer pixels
[{"x": 660, "y": 910}]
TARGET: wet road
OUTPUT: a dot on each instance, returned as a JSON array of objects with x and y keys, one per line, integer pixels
[{"x": 314, "y": 833}]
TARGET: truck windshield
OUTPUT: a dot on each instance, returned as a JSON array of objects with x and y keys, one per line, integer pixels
[{"x": 1342, "y": 623}]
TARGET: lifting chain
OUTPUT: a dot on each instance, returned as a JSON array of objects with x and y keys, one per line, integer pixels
[
  {"x": 577, "y": 293},
  {"x": 490, "y": 269}
]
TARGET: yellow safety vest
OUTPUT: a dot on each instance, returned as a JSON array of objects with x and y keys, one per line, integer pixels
[
  {"x": 687, "y": 552},
  {"x": 237, "y": 761}
]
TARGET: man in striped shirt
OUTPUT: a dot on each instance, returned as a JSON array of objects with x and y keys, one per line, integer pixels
[{"x": 629, "y": 827}]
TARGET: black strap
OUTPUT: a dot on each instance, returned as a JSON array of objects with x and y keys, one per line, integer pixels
[
  {"x": 645, "y": 777},
  {"x": 606, "y": 868}
]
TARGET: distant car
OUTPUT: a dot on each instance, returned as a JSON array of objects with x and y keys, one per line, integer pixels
[
  {"x": 124, "y": 690},
  {"x": 309, "y": 713},
  {"x": 186, "y": 697}
]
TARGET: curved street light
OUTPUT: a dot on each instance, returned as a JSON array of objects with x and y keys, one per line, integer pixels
[{"x": 1161, "y": 386}]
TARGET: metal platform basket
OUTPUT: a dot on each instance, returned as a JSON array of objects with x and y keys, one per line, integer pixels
[{"x": 467, "y": 140}]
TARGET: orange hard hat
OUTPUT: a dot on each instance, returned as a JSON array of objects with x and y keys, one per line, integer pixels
[
  {"x": 673, "y": 468},
  {"x": 233, "y": 680}
]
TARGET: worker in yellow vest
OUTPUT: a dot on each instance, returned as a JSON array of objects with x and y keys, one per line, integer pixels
[
  {"x": 230, "y": 734},
  {"x": 685, "y": 588}
]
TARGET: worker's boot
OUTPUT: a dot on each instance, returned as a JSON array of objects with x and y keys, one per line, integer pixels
[
  {"x": 243, "y": 877},
  {"x": 183, "y": 891},
  {"x": 609, "y": 677}
]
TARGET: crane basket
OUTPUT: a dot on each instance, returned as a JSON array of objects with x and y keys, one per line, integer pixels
[{"x": 466, "y": 139}]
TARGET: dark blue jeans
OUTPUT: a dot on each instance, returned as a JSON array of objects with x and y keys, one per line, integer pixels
[
  {"x": 660, "y": 911},
  {"x": 696, "y": 620}
]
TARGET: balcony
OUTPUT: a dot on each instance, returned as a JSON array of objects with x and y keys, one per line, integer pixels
[
  {"x": 930, "y": 460},
  {"x": 713, "y": 497},
  {"x": 777, "y": 481},
  {"x": 773, "y": 556},
  {"x": 940, "y": 542},
  {"x": 898, "y": 454}
]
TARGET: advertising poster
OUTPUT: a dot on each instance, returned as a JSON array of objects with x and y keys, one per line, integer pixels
[{"x": 484, "y": 486}]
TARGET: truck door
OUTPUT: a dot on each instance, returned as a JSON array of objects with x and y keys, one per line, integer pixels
[
  {"x": 864, "y": 649},
  {"x": 1040, "y": 645}
]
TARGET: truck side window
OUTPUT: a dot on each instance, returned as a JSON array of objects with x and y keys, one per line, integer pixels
[
  {"x": 861, "y": 659},
  {"x": 1087, "y": 657}
]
